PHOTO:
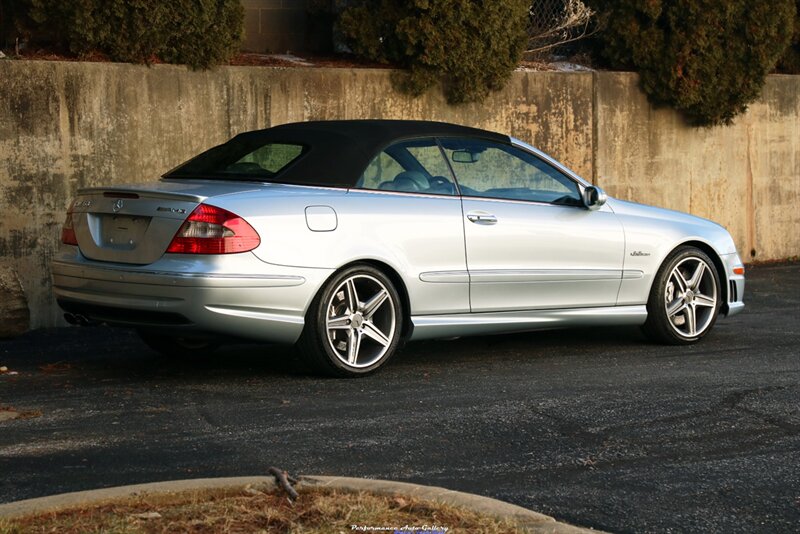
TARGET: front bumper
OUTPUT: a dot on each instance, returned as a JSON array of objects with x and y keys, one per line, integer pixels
[
  {"x": 735, "y": 289},
  {"x": 237, "y": 294}
]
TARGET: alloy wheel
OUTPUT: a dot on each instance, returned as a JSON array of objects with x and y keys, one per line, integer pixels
[
  {"x": 690, "y": 297},
  {"x": 360, "y": 321}
]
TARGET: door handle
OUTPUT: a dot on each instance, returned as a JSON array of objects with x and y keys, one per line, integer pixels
[{"x": 481, "y": 217}]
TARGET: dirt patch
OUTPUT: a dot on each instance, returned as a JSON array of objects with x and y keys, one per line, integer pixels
[
  {"x": 241, "y": 59},
  {"x": 305, "y": 60},
  {"x": 8, "y": 413},
  {"x": 54, "y": 446},
  {"x": 55, "y": 367},
  {"x": 295, "y": 60}
]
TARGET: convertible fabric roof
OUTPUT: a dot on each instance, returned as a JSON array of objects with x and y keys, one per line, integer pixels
[{"x": 337, "y": 152}]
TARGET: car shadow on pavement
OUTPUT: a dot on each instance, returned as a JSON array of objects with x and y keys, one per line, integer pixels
[{"x": 112, "y": 354}]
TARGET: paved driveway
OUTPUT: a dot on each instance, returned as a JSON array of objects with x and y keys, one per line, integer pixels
[{"x": 595, "y": 427}]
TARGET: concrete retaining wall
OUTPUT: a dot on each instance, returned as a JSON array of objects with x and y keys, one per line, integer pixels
[
  {"x": 745, "y": 176},
  {"x": 69, "y": 125}
]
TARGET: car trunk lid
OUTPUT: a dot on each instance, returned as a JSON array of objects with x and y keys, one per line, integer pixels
[{"x": 136, "y": 224}]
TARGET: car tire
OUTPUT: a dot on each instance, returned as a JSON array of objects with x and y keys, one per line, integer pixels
[
  {"x": 685, "y": 298},
  {"x": 178, "y": 347},
  {"x": 354, "y": 324}
]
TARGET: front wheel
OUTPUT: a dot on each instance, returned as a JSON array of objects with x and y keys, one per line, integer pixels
[
  {"x": 354, "y": 324},
  {"x": 685, "y": 298}
]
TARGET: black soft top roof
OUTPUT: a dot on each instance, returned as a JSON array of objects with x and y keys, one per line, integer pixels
[{"x": 337, "y": 152}]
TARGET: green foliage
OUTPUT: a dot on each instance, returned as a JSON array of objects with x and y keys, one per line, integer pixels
[
  {"x": 706, "y": 58},
  {"x": 790, "y": 61},
  {"x": 470, "y": 46},
  {"x": 199, "y": 33},
  {"x": 213, "y": 36}
]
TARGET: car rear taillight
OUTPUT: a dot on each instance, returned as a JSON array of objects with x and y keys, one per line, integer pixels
[
  {"x": 213, "y": 230},
  {"x": 68, "y": 230}
]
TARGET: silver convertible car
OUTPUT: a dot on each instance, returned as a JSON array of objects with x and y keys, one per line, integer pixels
[{"x": 348, "y": 238}]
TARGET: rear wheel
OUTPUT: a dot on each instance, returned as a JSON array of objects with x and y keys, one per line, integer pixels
[
  {"x": 354, "y": 324},
  {"x": 182, "y": 347},
  {"x": 685, "y": 298}
]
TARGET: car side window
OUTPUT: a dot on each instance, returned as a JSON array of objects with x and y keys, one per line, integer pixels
[
  {"x": 495, "y": 170},
  {"x": 413, "y": 166}
]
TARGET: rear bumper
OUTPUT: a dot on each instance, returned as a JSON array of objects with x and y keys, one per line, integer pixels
[{"x": 261, "y": 301}]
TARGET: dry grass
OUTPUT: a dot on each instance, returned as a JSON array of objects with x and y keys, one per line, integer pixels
[{"x": 317, "y": 511}]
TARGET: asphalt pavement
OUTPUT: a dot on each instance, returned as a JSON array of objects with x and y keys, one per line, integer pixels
[{"x": 596, "y": 427}]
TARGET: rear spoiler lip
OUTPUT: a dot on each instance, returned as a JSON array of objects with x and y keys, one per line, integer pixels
[{"x": 149, "y": 193}]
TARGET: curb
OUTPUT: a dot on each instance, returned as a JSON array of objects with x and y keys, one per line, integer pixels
[{"x": 527, "y": 520}]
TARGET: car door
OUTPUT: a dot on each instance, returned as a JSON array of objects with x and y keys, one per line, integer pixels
[
  {"x": 530, "y": 241},
  {"x": 406, "y": 206}
]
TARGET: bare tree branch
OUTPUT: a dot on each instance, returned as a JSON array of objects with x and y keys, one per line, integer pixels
[
  {"x": 282, "y": 478},
  {"x": 557, "y": 22}
]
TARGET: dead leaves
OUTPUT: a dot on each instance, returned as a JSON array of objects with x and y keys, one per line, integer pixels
[{"x": 55, "y": 367}]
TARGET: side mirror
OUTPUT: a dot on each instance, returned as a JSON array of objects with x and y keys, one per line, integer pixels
[{"x": 594, "y": 197}]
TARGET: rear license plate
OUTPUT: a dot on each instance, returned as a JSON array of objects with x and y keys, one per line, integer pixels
[{"x": 123, "y": 232}]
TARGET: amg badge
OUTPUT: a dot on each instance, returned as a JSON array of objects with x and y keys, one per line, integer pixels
[{"x": 180, "y": 211}]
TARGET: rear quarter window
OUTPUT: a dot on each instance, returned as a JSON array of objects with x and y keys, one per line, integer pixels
[{"x": 241, "y": 160}]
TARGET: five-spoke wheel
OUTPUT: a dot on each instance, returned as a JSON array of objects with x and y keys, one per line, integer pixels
[
  {"x": 691, "y": 297},
  {"x": 684, "y": 301},
  {"x": 354, "y": 324}
]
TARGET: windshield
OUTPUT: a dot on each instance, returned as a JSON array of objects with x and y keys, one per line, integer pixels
[{"x": 240, "y": 159}]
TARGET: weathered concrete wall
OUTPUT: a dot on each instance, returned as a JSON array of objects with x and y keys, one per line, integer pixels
[
  {"x": 69, "y": 125},
  {"x": 13, "y": 304},
  {"x": 745, "y": 176}
]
